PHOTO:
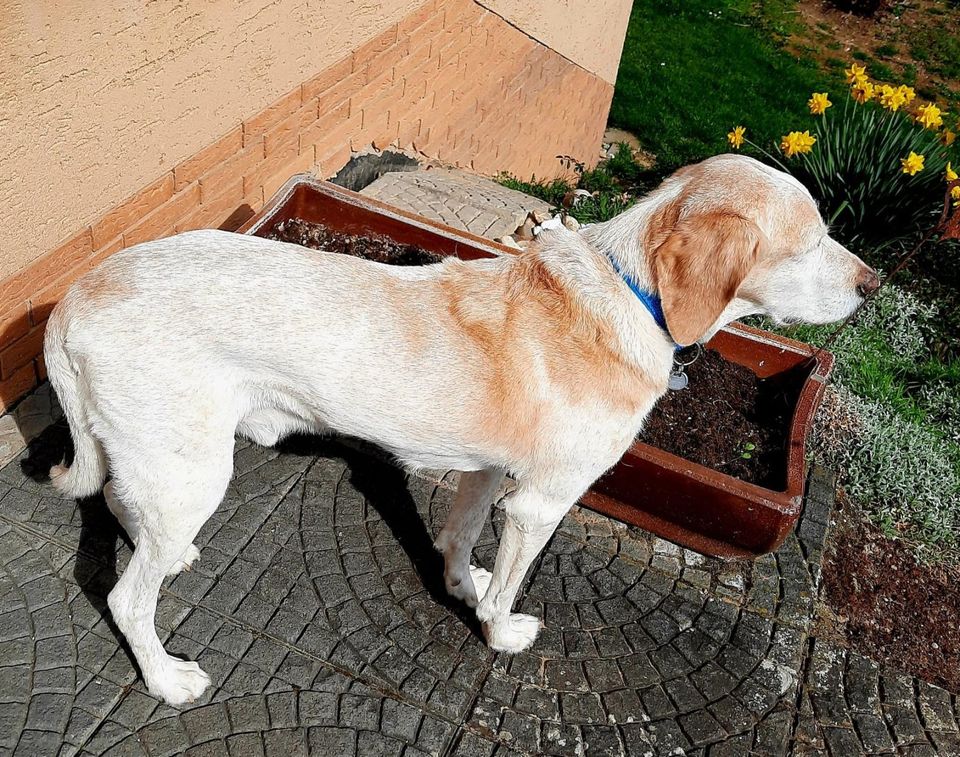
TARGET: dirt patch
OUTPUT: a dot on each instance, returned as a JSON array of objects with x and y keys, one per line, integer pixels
[
  {"x": 374, "y": 247},
  {"x": 727, "y": 419},
  {"x": 911, "y": 40},
  {"x": 884, "y": 604}
]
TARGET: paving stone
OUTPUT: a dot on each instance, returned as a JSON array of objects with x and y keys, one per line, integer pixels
[
  {"x": 309, "y": 609},
  {"x": 457, "y": 199}
]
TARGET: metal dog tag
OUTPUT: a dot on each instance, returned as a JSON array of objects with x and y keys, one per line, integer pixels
[{"x": 678, "y": 380}]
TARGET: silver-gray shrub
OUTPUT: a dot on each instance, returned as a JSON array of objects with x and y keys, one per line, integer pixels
[{"x": 905, "y": 475}]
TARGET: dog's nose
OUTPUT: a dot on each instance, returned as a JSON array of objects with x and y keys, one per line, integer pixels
[{"x": 868, "y": 282}]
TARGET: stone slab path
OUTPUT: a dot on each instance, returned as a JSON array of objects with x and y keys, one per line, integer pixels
[
  {"x": 456, "y": 198},
  {"x": 317, "y": 607}
]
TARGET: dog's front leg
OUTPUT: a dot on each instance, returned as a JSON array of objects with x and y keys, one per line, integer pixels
[{"x": 531, "y": 520}]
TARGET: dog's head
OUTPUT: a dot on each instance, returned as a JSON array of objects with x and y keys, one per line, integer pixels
[{"x": 730, "y": 237}]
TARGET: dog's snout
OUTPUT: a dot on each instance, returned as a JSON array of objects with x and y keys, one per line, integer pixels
[{"x": 868, "y": 282}]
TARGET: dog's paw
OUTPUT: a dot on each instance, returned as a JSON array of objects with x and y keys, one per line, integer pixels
[
  {"x": 180, "y": 682},
  {"x": 513, "y": 634},
  {"x": 481, "y": 581},
  {"x": 469, "y": 589},
  {"x": 186, "y": 561}
]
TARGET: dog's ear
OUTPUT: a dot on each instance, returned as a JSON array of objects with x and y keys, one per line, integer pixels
[{"x": 700, "y": 266}]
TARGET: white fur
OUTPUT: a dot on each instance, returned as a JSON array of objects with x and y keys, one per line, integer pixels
[{"x": 170, "y": 348}]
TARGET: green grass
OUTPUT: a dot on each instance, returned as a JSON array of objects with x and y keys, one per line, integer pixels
[
  {"x": 881, "y": 71},
  {"x": 693, "y": 69},
  {"x": 886, "y": 50},
  {"x": 942, "y": 49}
]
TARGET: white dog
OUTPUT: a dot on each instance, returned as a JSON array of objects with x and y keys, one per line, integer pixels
[{"x": 542, "y": 365}]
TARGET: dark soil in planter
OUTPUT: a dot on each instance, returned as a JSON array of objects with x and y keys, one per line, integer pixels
[
  {"x": 727, "y": 419},
  {"x": 887, "y": 606},
  {"x": 380, "y": 249}
]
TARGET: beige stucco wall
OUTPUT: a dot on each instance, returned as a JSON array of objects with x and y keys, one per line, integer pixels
[
  {"x": 588, "y": 32},
  {"x": 99, "y": 98}
]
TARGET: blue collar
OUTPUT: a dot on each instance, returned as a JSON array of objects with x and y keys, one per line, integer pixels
[{"x": 650, "y": 301}]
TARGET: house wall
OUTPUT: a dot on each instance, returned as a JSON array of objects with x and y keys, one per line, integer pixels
[
  {"x": 130, "y": 122},
  {"x": 588, "y": 32}
]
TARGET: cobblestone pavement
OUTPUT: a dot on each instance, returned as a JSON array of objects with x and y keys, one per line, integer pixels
[
  {"x": 318, "y": 609},
  {"x": 456, "y": 198}
]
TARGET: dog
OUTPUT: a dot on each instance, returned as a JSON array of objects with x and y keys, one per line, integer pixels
[{"x": 541, "y": 365}]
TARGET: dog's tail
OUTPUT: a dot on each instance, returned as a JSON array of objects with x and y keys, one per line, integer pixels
[{"x": 86, "y": 475}]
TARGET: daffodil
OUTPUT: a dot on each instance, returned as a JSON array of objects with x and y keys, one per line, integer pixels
[
  {"x": 930, "y": 116},
  {"x": 797, "y": 142},
  {"x": 892, "y": 98},
  {"x": 907, "y": 92},
  {"x": 863, "y": 91},
  {"x": 955, "y": 193},
  {"x": 855, "y": 72},
  {"x": 818, "y": 103},
  {"x": 735, "y": 137},
  {"x": 951, "y": 175},
  {"x": 912, "y": 164},
  {"x": 948, "y": 137}
]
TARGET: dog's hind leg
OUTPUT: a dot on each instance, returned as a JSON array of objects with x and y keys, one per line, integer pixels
[
  {"x": 128, "y": 521},
  {"x": 531, "y": 520},
  {"x": 461, "y": 531},
  {"x": 168, "y": 514}
]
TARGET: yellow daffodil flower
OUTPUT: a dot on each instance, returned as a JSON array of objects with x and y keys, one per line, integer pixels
[
  {"x": 863, "y": 91},
  {"x": 818, "y": 103},
  {"x": 855, "y": 72},
  {"x": 892, "y": 98},
  {"x": 796, "y": 143},
  {"x": 907, "y": 92},
  {"x": 930, "y": 116},
  {"x": 912, "y": 164},
  {"x": 955, "y": 193},
  {"x": 948, "y": 137},
  {"x": 735, "y": 137},
  {"x": 951, "y": 174}
]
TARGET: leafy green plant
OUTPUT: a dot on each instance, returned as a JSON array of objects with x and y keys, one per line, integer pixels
[
  {"x": 876, "y": 164},
  {"x": 612, "y": 186},
  {"x": 878, "y": 355}
]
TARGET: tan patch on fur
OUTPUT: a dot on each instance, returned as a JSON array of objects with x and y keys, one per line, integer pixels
[
  {"x": 524, "y": 326},
  {"x": 699, "y": 268},
  {"x": 99, "y": 287}
]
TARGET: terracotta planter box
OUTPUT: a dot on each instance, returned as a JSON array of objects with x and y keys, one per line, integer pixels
[{"x": 690, "y": 504}]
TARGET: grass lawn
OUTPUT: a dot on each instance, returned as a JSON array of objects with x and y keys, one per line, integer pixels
[{"x": 693, "y": 69}]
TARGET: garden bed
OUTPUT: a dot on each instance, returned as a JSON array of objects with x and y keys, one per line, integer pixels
[
  {"x": 885, "y": 604},
  {"x": 728, "y": 419},
  {"x": 375, "y": 247}
]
